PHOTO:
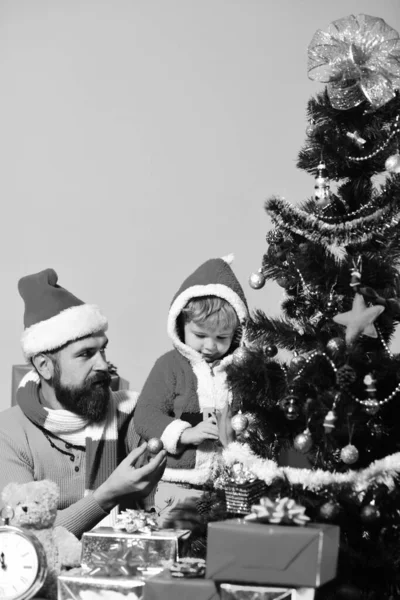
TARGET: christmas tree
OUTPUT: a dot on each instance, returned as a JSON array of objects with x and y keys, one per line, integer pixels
[{"x": 337, "y": 256}]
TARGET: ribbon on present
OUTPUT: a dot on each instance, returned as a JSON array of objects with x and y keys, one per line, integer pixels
[
  {"x": 136, "y": 521},
  {"x": 236, "y": 474},
  {"x": 359, "y": 58},
  {"x": 284, "y": 511},
  {"x": 114, "y": 563},
  {"x": 188, "y": 567}
]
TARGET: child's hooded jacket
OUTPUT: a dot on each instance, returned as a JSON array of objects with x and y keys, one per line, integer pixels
[{"x": 182, "y": 385}]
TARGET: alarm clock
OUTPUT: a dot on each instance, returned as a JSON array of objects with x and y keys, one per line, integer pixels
[{"x": 23, "y": 566}]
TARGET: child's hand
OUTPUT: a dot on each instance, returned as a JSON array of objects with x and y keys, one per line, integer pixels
[{"x": 206, "y": 430}]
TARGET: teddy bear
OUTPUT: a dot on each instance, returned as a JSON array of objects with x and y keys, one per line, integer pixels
[{"x": 34, "y": 506}]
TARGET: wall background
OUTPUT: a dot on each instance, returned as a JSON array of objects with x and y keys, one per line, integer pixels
[{"x": 139, "y": 138}]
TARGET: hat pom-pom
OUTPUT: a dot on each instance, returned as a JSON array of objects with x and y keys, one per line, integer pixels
[{"x": 229, "y": 258}]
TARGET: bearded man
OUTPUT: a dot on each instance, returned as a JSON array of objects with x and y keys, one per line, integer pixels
[{"x": 68, "y": 426}]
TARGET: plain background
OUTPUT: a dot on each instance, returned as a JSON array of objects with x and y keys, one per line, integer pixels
[{"x": 139, "y": 138}]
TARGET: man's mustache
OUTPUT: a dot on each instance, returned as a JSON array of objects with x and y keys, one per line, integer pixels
[{"x": 103, "y": 378}]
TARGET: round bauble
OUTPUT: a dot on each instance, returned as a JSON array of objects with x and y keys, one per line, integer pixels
[
  {"x": 392, "y": 164},
  {"x": 336, "y": 346},
  {"x": 283, "y": 282},
  {"x": 154, "y": 445},
  {"x": 371, "y": 406},
  {"x": 257, "y": 280},
  {"x": 349, "y": 454},
  {"x": 240, "y": 355},
  {"x": 239, "y": 423},
  {"x": 297, "y": 362},
  {"x": 303, "y": 442},
  {"x": 370, "y": 514},
  {"x": 329, "y": 511},
  {"x": 270, "y": 351},
  {"x": 292, "y": 411}
]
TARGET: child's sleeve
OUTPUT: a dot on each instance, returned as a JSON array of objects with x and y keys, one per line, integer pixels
[{"x": 154, "y": 414}]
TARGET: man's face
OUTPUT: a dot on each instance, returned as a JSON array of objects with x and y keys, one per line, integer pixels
[{"x": 81, "y": 379}]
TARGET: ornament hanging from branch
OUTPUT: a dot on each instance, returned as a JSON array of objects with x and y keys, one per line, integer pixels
[
  {"x": 322, "y": 193},
  {"x": 257, "y": 280},
  {"x": 359, "y": 320},
  {"x": 359, "y": 59}
]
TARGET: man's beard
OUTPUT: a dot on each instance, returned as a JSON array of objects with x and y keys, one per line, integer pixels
[{"x": 89, "y": 400}]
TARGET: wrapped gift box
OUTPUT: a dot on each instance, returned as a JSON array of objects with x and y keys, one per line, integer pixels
[
  {"x": 244, "y": 551},
  {"x": 229, "y": 591},
  {"x": 79, "y": 585},
  {"x": 240, "y": 497},
  {"x": 166, "y": 587},
  {"x": 19, "y": 371},
  {"x": 157, "y": 548}
]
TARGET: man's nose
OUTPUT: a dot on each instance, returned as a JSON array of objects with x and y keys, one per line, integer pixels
[{"x": 100, "y": 363}]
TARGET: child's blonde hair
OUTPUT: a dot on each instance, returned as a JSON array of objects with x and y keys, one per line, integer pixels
[{"x": 211, "y": 309}]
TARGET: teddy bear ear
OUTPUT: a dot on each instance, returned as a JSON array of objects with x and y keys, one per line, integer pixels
[
  {"x": 51, "y": 489},
  {"x": 9, "y": 493}
]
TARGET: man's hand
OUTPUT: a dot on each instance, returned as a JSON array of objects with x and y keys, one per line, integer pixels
[
  {"x": 205, "y": 430},
  {"x": 126, "y": 479}
]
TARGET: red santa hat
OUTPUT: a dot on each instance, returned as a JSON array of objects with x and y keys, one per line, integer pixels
[{"x": 53, "y": 316}]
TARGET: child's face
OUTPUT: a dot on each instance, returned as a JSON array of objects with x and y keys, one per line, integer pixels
[{"x": 212, "y": 341}]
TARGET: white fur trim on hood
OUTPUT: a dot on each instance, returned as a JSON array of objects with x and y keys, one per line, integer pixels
[
  {"x": 213, "y": 289},
  {"x": 69, "y": 325}
]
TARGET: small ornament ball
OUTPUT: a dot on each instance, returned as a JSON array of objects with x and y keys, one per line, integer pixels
[
  {"x": 239, "y": 423},
  {"x": 349, "y": 454},
  {"x": 371, "y": 406},
  {"x": 154, "y": 445},
  {"x": 370, "y": 514},
  {"x": 291, "y": 410},
  {"x": 297, "y": 361},
  {"x": 336, "y": 346},
  {"x": 239, "y": 355},
  {"x": 329, "y": 511},
  {"x": 392, "y": 164},
  {"x": 270, "y": 351},
  {"x": 303, "y": 442},
  {"x": 257, "y": 280}
]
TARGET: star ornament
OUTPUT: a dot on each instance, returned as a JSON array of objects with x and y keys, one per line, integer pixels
[{"x": 360, "y": 319}]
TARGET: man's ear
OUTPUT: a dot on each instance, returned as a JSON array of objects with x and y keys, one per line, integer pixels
[{"x": 44, "y": 366}]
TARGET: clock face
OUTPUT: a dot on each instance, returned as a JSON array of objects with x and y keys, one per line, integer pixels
[{"x": 22, "y": 564}]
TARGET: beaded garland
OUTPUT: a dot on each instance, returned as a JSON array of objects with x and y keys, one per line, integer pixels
[{"x": 395, "y": 131}]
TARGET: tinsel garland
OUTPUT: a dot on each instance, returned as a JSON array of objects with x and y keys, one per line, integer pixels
[
  {"x": 384, "y": 471},
  {"x": 332, "y": 236}
]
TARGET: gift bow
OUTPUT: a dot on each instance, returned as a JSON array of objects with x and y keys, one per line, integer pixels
[
  {"x": 136, "y": 521},
  {"x": 237, "y": 474},
  {"x": 359, "y": 58},
  {"x": 284, "y": 511}
]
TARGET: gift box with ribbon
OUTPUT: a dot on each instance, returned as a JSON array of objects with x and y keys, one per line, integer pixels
[
  {"x": 240, "y": 550},
  {"x": 186, "y": 586},
  {"x": 136, "y": 532},
  {"x": 229, "y": 591},
  {"x": 79, "y": 584},
  {"x": 242, "y": 489}
]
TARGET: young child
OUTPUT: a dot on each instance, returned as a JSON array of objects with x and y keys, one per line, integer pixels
[{"x": 186, "y": 391}]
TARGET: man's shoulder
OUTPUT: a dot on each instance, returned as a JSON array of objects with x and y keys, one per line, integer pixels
[{"x": 10, "y": 418}]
